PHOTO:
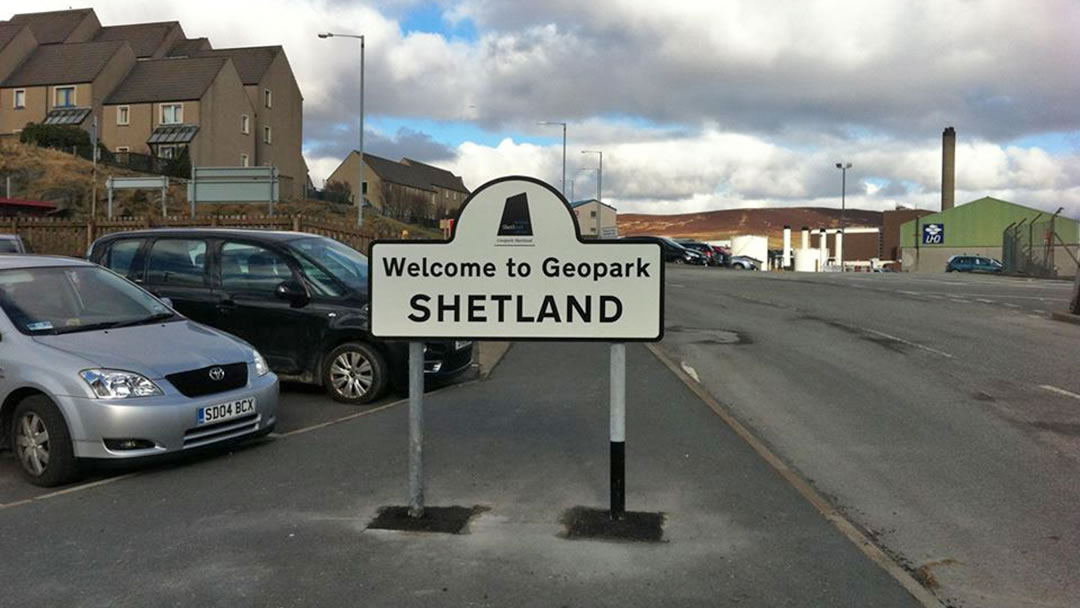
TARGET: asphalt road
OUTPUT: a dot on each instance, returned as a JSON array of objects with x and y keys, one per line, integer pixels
[
  {"x": 940, "y": 412},
  {"x": 284, "y": 522}
]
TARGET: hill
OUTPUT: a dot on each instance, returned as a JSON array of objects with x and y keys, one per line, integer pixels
[{"x": 722, "y": 225}]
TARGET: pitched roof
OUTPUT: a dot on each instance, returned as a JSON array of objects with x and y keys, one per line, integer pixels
[
  {"x": 144, "y": 38},
  {"x": 437, "y": 177},
  {"x": 64, "y": 64},
  {"x": 8, "y": 31},
  {"x": 396, "y": 172},
  {"x": 251, "y": 62},
  {"x": 55, "y": 26},
  {"x": 189, "y": 47},
  {"x": 168, "y": 80}
]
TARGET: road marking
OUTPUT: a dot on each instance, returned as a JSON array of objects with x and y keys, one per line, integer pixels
[
  {"x": 933, "y": 296},
  {"x": 907, "y": 342},
  {"x": 909, "y": 293},
  {"x": 1040, "y": 311},
  {"x": 321, "y": 425},
  {"x": 676, "y": 285},
  {"x": 77, "y": 488},
  {"x": 984, "y": 301},
  {"x": 1011, "y": 305},
  {"x": 690, "y": 371},
  {"x": 1060, "y": 391},
  {"x": 960, "y": 300},
  {"x": 848, "y": 529}
]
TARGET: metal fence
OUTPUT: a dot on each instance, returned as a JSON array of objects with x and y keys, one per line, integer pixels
[
  {"x": 73, "y": 237},
  {"x": 1039, "y": 249}
]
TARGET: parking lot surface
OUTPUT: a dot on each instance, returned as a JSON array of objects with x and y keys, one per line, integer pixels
[
  {"x": 939, "y": 411},
  {"x": 283, "y": 522}
]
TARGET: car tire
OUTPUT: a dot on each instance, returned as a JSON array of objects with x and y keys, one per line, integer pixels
[
  {"x": 42, "y": 443},
  {"x": 355, "y": 373}
]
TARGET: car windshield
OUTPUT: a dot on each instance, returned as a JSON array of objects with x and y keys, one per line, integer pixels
[
  {"x": 71, "y": 299},
  {"x": 9, "y": 246},
  {"x": 343, "y": 262},
  {"x": 672, "y": 243}
]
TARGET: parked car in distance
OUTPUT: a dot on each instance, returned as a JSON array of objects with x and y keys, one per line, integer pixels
[
  {"x": 11, "y": 243},
  {"x": 723, "y": 254},
  {"x": 673, "y": 252},
  {"x": 972, "y": 263},
  {"x": 744, "y": 262},
  {"x": 301, "y": 299},
  {"x": 711, "y": 258},
  {"x": 96, "y": 368}
]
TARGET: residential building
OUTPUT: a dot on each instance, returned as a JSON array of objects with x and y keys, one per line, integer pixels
[
  {"x": 595, "y": 217},
  {"x": 63, "y": 83},
  {"x": 409, "y": 189},
  {"x": 450, "y": 191},
  {"x": 167, "y": 105},
  {"x": 61, "y": 27},
  {"x": 278, "y": 109},
  {"x": 231, "y": 106}
]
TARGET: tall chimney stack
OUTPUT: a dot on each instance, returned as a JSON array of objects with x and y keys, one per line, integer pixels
[{"x": 948, "y": 168}]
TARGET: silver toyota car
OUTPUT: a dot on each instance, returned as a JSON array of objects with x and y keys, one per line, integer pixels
[{"x": 93, "y": 367}]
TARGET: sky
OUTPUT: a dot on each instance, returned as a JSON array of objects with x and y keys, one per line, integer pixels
[{"x": 696, "y": 105}]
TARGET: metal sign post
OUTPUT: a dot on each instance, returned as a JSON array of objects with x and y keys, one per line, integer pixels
[{"x": 515, "y": 267}]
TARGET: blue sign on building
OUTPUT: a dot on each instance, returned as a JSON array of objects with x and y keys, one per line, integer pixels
[{"x": 933, "y": 234}]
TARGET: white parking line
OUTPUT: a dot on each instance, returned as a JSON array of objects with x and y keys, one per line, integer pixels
[
  {"x": 909, "y": 293},
  {"x": 690, "y": 371},
  {"x": 78, "y": 488},
  {"x": 1040, "y": 311},
  {"x": 1060, "y": 391},
  {"x": 984, "y": 301},
  {"x": 908, "y": 342},
  {"x": 960, "y": 300},
  {"x": 1011, "y": 305},
  {"x": 308, "y": 429}
]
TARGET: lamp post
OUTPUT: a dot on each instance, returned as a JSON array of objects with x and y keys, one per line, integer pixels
[
  {"x": 843, "y": 205},
  {"x": 599, "y": 186},
  {"x": 360, "y": 201},
  {"x": 563, "y": 124}
]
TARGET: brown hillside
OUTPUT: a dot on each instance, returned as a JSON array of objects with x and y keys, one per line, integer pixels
[{"x": 721, "y": 225}]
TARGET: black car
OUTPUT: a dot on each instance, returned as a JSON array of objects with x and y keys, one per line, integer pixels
[
  {"x": 672, "y": 251},
  {"x": 711, "y": 257},
  {"x": 300, "y": 299}
]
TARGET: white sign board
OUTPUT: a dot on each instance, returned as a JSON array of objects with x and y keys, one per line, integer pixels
[
  {"x": 137, "y": 183},
  {"x": 516, "y": 268},
  {"x": 233, "y": 185}
]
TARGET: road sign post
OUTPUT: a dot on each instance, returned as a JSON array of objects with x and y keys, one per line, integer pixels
[{"x": 516, "y": 268}]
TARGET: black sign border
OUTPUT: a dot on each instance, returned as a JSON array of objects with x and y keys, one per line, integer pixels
[{"x": 453, "y": 234}]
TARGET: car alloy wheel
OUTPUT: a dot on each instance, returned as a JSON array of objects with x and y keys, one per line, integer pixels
[
  {"x": 32, "y": 443},
  {"x": 355, "y": 373},
  {"x": 42, "y": 444}
]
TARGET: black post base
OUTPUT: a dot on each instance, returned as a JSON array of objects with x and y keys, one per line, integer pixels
[{"x": 618, "y": 479}]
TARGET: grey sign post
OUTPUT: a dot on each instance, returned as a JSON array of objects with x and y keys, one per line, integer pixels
[
  {"x": 233, "y": 185},
  {"x": 516, "y": 268},
  {"x": 137, "y": 183}
]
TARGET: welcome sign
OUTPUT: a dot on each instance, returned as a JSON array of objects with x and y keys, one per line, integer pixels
[{"x": 515, "y": 267}]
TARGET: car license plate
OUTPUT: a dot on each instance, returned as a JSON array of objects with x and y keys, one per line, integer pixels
[
  {"x": 225, "y": 411},
  {"x": 460, "y": 344}
]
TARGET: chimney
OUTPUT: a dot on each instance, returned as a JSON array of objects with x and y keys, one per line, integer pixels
[{"x": 948, "y": 168}]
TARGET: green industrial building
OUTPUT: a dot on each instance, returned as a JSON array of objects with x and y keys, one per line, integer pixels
[{"x": 1035, "y": 238}]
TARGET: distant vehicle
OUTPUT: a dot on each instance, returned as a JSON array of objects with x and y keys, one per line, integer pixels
[
  {"x": 973, "y": 263},
  {"x": 11, "y": 243},
  {"x": 673, "y": 252},
  {"x": 96, "y": 368},
  {"x": 744, "y": 262},
  {"x": 711, "y": 258},
  {"x": 301, "y": 299},
  {"x": 723, "y": 254}
]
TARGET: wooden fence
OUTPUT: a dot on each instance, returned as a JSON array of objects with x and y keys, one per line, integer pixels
[{"x": 73, "y": 237}]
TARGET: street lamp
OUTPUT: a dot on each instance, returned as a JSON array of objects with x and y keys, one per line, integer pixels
[
  {"x": 599, "y": 186},
  {"x": 360, "y": 202},
  {"x": 553, "y": 122},
  {"x": 843, "y": 205}
]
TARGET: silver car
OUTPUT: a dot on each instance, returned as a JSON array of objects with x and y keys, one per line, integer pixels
[{"x": 93, "y": 367}]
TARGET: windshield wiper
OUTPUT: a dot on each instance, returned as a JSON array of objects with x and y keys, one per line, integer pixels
[
  {"x": 157, "y": 316},
  {"x": 77, "y": 328}
]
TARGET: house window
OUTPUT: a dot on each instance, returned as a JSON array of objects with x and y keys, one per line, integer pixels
[
  {"x": 20, "y": 99},
  {"x": 122, "y": 149},
  {"x": 245, "y": 124},
  {"x": 123, "y": 116},
  {"x": 266, "y": 135},
  {"x": 172, "y": 113},
  {"x": 592, "y": 214},
  {"x": 63, "y": 97},
  {"x": 363, "y": 188},
  {"x": 244, "y": 160},
  {"x": 268, "y": 98},
  {"x": 168, "y": 151}
]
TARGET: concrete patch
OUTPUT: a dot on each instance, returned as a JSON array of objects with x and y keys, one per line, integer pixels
[
  {"x": 596, "y": 524},
  {"x": 444, "y": 520}
]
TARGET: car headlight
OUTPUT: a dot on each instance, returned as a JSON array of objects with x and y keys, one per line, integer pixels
[
  {"x": 261, "y": 368},
  {"x": 117, "y": 384}
]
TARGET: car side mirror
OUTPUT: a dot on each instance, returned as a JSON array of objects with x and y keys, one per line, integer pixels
[{"x": 293, "y": 292}]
